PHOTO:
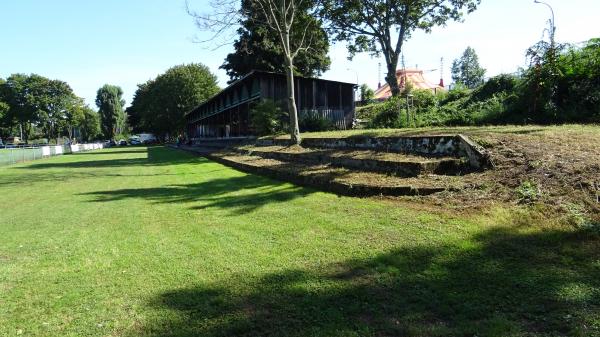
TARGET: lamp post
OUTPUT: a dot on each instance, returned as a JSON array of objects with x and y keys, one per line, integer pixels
[
  {"x": 355, "y": 73},
  {"x": 552, "y": 22}
]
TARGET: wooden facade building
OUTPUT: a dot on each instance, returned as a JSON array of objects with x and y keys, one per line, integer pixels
[{"x": 227, "y": 114}]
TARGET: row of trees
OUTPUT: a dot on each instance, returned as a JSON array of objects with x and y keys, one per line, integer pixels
[
  {"x": 36, "y": 107},
  {"x": 298, "y": 30},
  {"x": 160, "y": 104},
  {"x": 33, "y": 105}
]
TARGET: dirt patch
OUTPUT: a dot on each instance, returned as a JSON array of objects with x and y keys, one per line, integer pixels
[{"x": 560, "y": 167}]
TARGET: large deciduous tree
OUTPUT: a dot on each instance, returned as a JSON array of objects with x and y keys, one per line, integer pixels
[
  {"x": 466, "y": 69},
  {"x": 37, "y": 100},
  {"x": 110, "y": 106},
  {"x": 160, "y": 105},
  {"x": 90, "y": 124},
  {"x": 382, "y": 26},
  {"x": 259, "y": 48},
  {"x": 291, "y": 21}
]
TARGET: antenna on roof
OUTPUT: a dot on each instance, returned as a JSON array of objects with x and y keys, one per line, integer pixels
[
  {"x": 379, "y": 76},
  {"x": 403, "y": 82},
  {"x": 442, "y": 72}
]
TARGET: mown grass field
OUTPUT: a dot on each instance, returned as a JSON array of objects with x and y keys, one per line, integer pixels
[{"x": 156, "y": 242}]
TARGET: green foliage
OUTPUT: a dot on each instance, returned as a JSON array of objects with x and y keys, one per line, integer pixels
[
  {"x": 528, "y": 192},
  {"x": 90, "y": 125},
  {"x": 34, "y": 100},
  {"x": 466, "y": 69},
  {"x": 258, "y": 47},
  {"x": 159, "y": 105},
  {"x": 314, "y": 122},
  {"x": 382, "y": 26},
  {"x": 267, "y": 118},
  {"x": 110, "y": 106},
  {"x": 389, "y": 114},
  {"x": 503, "y": 83},
  {"x": 366, "y": 94}
]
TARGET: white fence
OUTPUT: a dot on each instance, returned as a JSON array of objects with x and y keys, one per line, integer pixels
[{"x": 21, "y": 154}]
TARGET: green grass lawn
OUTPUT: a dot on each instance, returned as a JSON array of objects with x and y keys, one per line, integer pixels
[{"x": 156, "y": 242}]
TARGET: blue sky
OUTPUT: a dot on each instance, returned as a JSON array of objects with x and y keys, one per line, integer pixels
[{"x": 90, "y": 43}]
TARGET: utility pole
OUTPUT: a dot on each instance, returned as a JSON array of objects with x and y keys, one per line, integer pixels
[{"x": 406, "y": 91}]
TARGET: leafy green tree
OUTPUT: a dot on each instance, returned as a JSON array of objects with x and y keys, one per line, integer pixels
[
  {"x": 259, "y": 48},
  {"x": 292, "y": 21},
  {"x": 34, "y": 99},
  {"x": 56, "y": 105},
  {"x": 90, "y": 124},
  {"x": 110, "y": 106},
  {"x": 382, "y": 26},
  {"x": 366, "y": 94},
  {"x": 159, "y": 105},
  {"x": 3, "y": 105},
  {"x": 22, "y": 109},
  {"x": 466, "y": 69}
]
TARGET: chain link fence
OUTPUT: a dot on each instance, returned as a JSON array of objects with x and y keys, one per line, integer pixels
[{"x": 20, "y": 154}]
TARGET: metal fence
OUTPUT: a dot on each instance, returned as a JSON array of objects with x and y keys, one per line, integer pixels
[
  {"x": 20, "y": 154},
  {"x": 337, "y": 117}
]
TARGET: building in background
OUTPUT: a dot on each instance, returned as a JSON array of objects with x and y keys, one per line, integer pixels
[
  {"x": 227, "y": 114},
  {"x": 414, "y": 77}
]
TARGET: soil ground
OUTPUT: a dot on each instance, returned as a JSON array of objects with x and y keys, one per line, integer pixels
[{"x": 556, "y": 166}]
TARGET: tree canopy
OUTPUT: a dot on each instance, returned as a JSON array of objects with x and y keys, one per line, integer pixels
[
  {"x": 36, "y": 101},
  {"x": 382, "y": 26},
  {"x": 466, "y": 69},
  {"x": 291, "y": 21},
  {"x": 159, "y": 105},
  {"x": 110, "y": 106},
  {"x": 258, "y": 47}
]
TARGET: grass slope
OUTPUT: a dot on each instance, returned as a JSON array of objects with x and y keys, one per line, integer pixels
[{"x": 155, "y": 242}]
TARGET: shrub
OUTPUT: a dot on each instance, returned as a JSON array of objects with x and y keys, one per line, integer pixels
[
  {"x": 313, "y": 122},
  {"x": 389, "y": 114},
  {"x": 267, "y": 118},
  {"x": 528, "y": 192},
  {"x": 501, "y": 84}
]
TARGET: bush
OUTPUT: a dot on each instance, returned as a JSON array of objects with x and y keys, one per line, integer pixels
[
  {"x": 501, "y": 84},
  {"x": 267, "y": 118},
  {"x": 313, "y": 122},
  {"x": 389, "y": 114},
  {"x": 528, "y": 192}
]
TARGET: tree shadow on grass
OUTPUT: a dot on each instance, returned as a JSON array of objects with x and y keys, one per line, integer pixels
[
  {"x": 240, "y": 194},
  {"x": 156, "y": 156},
  {"x": 502, "y": 282}
]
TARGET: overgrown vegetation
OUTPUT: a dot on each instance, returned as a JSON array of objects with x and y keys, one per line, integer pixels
[
  {"x": 267, "y": 118},
  {"x": 314, "y": 122},
  {"x": 561, "y": 86}
]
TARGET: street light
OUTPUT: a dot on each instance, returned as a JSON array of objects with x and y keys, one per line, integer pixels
[{"x": 552, "y": 26}]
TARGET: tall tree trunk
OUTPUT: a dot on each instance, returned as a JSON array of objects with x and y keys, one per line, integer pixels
[
  {"x": 293, "y": 110},
  {"x": 391, "y": 78}
]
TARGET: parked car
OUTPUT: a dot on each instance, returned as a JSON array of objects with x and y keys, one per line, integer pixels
[
  {"x": 135, "y": 140},
  {"x": 148, "y": 138},
  {"x": 122, "y": 142}
]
